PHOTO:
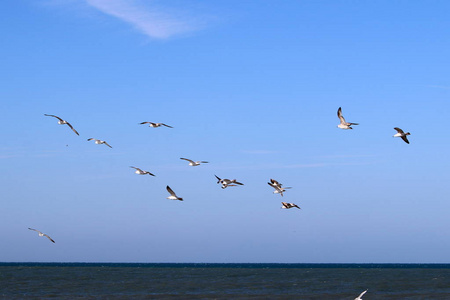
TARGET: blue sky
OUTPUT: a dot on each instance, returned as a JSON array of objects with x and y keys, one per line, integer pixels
[{"x": 250, "y": 86}]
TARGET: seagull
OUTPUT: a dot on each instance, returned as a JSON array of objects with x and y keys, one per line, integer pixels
[
  {"x": 227, "y": 182},
  {"x": 344, "y": 124},
  {"x": 401, "y": 134},
  {"x": 42, "y": 234},
  {"x": 277, "y": 186},
  {"x": 359, "y": 297},
  {"x": 173, "y": 196},
  {"x": 289, "y": 205},
  {"x": 62, "y": 122},
  {"x": 194, "y": 163},
  {"x": 154, "y": 125},
  {"x": 99, "y": 142},
  {"x": 141, "y": 172}
]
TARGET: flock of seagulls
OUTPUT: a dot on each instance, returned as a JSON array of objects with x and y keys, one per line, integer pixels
[{"x": 277, "y": 186}]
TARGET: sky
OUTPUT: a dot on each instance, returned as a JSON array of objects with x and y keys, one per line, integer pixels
[{"x": 253, "y": 88}]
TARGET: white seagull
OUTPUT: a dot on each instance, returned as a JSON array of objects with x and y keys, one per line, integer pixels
[
  {"x": 142, "y": 172},
  {"x": 99, "y": 142},
  {"x": 289, "y": 205},
  {"x": 277, "y": 186},
  {"x": 154, "y": 125},
  {"x": 401, "y": 134},
  {"x": 173, "y": 196},
  {"x": 62, "y": 122},
  {"x": 227, "y": 182},
  {"x": 362, "y": 294},
  {"x": 344, "y": 124},
  {"x": 42, "y": 234},
  {"x": 194, "y": 163}
]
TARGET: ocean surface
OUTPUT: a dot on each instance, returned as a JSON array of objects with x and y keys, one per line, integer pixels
[{"x": 223, "y": 281}]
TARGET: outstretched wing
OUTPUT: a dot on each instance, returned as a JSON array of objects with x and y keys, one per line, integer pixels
[
  {"x": 405, "y": 139},
  {"x": 107, "y": 144},
  {"x": 54, "y": 117},
  {"x": 68, "y": 124},
  {"x": 166, "y": 125},
  {"x": 187, "y": 160},
  {"x": 170, "y": 191},
  {"x": 340, "y": 116},
  {"x": 34, "y": 230},
  {"x": 218, "y": 179},
  {"x": 398, "y": 130},
  {"x": 49, "y": 238},
  {"x": 144, "y": 123}
]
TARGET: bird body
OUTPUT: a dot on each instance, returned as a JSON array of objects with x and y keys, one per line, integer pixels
[
  {"x": 227, "y": 182},
  {"x": 172, "y": 196},
  {"x": 344, "y": 124},
  {"x": 277, "y": 186},
  {"x": 99, "y": 142},
  {"x": 42, "y": 234},
  {"x": 194, "y": 163},
  {"x": 402, "y": 134},
  {"x": 62, "y": 122},
  {"x": 289, "y": 205},
  {"x": 154, "y": 125},
  {"x": 142, "y": 172}
]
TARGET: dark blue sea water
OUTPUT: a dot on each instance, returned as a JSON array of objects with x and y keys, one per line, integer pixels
[{"x": 223, "y": 281}]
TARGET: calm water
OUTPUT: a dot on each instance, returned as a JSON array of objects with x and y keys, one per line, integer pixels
[{"x": 223, "y": 281}]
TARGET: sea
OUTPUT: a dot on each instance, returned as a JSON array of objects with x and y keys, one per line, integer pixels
[{"x": 223, "y": 281}]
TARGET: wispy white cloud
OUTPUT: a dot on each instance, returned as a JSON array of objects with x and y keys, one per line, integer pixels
[{"x": 147, "y": 17}]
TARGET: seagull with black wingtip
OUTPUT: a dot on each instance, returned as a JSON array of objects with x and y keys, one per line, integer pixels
[
  {"x": 194, "y": 163},
  {"x": 402, "y": 134},
  {"x": 279, "y": 189},
  {"x": 289, "y": 205},
  {"x": 173, "y": 196},
  {"x": 62, "y": 122},
  {"x": 142, "y": 172},
  {"x": 227, "y": 182},
  {"x": 154, "y": 125},
  {"x": 99, "y": 142},
  {"x": 344, "y": 124},
  {"x": 42, "y": 234}
]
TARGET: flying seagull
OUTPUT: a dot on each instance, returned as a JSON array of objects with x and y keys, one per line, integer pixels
[
  {"x": 141, "y": 172},
  {"x": 154, "y": 125},
  {"x": 362, "y": 294},
  {"x": 42, "y": 234},
  {"x": 227, "y": 182},
  {"x": 277, "y": 186},
  {"x": 173, "y": 196},
  {"x": 194, "y": 163},
  {"x": 401, "y": 134},
  {"x": 289, "y": 205},
  {"x": 62, "y": 122},
  {"x": 99, "y": 142},
  {"x": 344, "y": 124}
]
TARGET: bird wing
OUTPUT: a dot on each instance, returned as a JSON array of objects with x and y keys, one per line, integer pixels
[
  {"x": 188, "y": 160},
  {"x": 274, "y": 181},
  {"x": 203, "y": 162},
  {"x": 136, "y": 168},
  {"x": 144, "y": 123},
  {"x": 49, "y": 238},
  {"x": 54, "y": 117},
  {"x": 362, "y": 294},
  {"x": 68, "y": 124},
  {"x": 218, "y": 178},
  {"x": 150, "y": 173},
  {"x": 405, "y": 139},
  {"x": 340, "y": 116},
  {"x": 107, "y": 144},
  {"x": 237, "y": 182},
  {"x": 170, "y": 191},
  {"x": 90, "y": 139},
  {"x": 398, "y": 130},
  {"x": 34, "y": 230},
  {"x": 166, "y": 125}
]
